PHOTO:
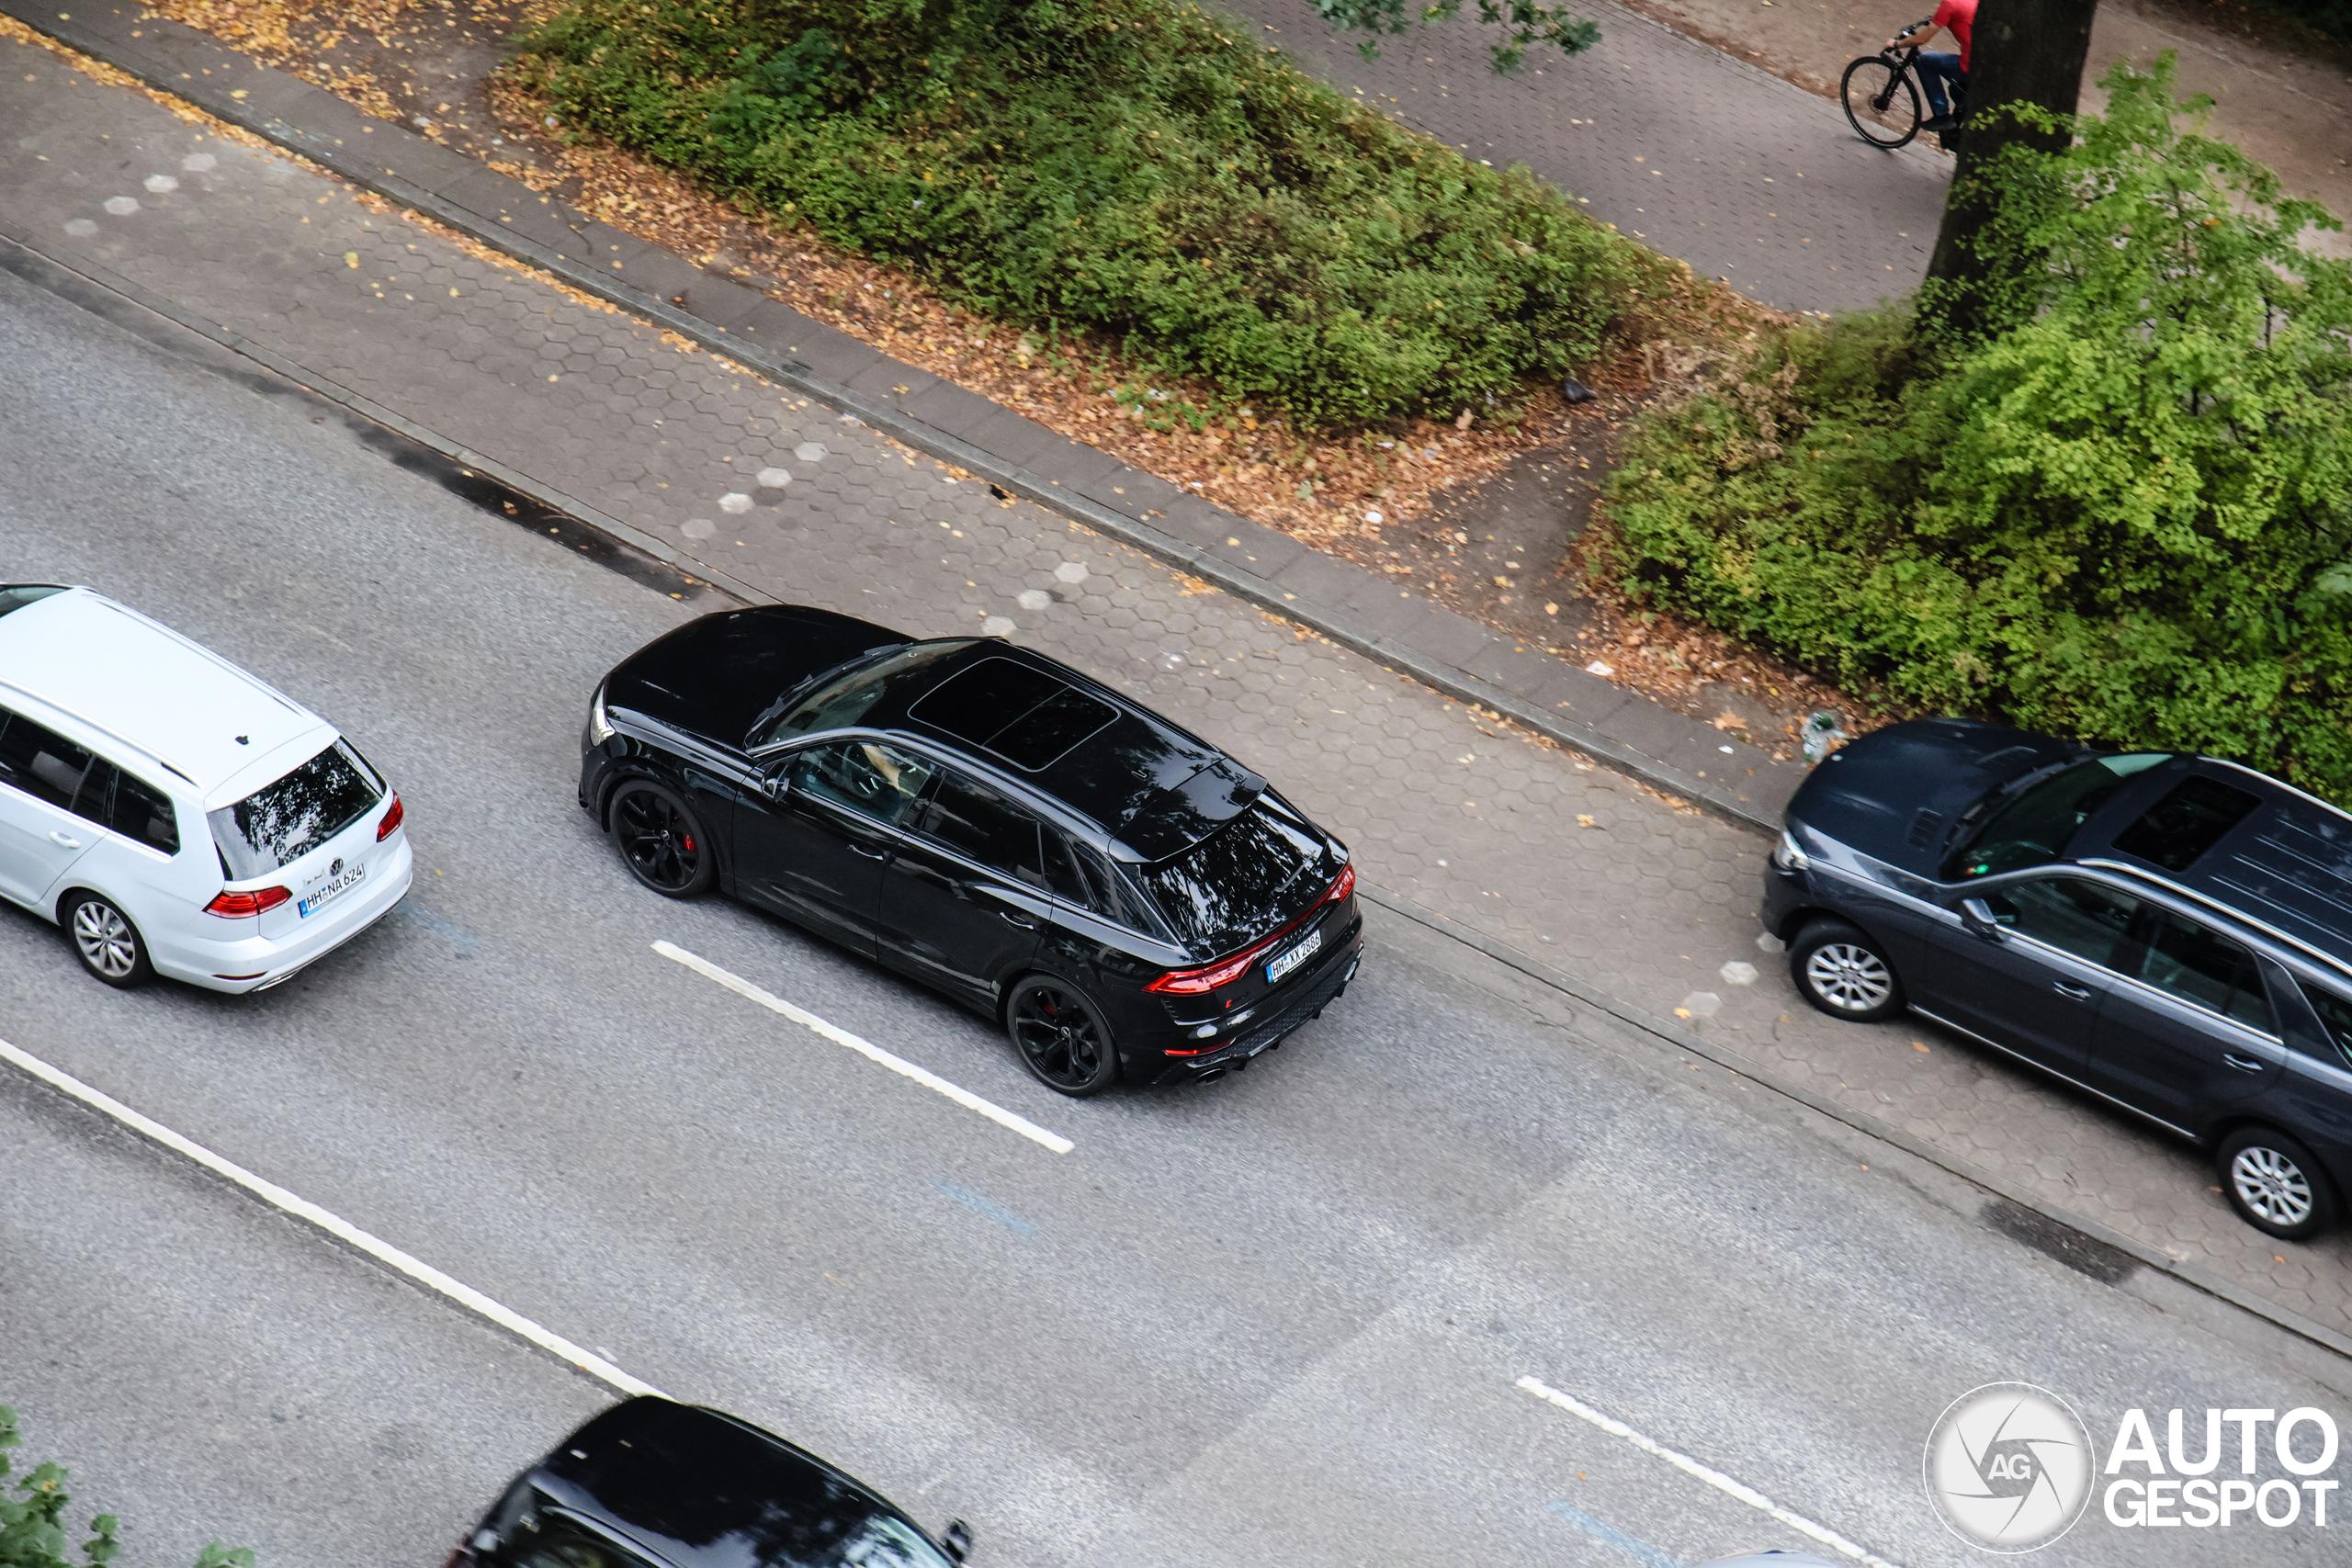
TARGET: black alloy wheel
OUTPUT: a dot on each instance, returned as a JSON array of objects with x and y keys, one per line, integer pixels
[
  {"x": 1882, "y": 105},
  {"x": 1842, "y": 970},
  {"x": 1061, "y": 1036},
  {"x": 661, "y": 839},
  {"x": 105, "y": 941},
  {"x": 2275, "y": 1184}
]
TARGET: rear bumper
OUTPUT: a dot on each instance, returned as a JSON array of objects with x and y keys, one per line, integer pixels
[
  {"x": 259, "y": 963},
  {"x": 1320, "y": 991}
]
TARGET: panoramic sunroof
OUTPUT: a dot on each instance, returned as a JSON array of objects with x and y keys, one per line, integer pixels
[{"x": 1021, "y": 715}]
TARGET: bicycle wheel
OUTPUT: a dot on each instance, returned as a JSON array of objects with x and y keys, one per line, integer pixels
[{"x": 1882, "y": 103}]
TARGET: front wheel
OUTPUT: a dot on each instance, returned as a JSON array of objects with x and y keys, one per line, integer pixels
[
  {"x": 1882, "y": 103},
  {"x": 1062, "y": 1036},
  {"x": 1843, "y": 971},
  {"x": 2275, "y": 1184},
  {"x": 661, "y": 839},
  {"x": 106, "y": 941}
]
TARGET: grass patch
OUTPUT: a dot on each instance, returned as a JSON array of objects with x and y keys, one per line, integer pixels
[
  {"x": 1142, "y": 170},
  {"x": 2126, "y": 517}
]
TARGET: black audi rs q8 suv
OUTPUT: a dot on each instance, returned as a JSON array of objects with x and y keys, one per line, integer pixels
[{"x": 1124, "y": 898}]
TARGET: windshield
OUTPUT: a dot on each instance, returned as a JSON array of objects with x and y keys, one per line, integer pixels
[
  {"x": 847, "y": 698},
  {"x": 1234, "y": 879},
  {"x": 2033, "y": 829},
  {"x": 283, "y": 822}
]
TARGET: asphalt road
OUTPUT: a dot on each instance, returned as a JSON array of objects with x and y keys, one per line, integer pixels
[{"x": 1278, "y": 1319}]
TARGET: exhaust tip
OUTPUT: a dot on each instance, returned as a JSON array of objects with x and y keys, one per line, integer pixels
[{"x": 1211, "y": 1076}]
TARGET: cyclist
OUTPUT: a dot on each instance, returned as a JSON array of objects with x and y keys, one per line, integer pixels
[{"x": 1935, "y": 69}]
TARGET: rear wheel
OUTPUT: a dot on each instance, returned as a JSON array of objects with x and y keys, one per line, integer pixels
[
  {"x": 661, "y": 839},
  {"x": 1882, "y": 105},
  {"x": 1843, "y": 971},
  {"x": 105, "y": 941},
  {"x": 1061, "y": 1036},
  {"x": 2276, "y": 1184}
]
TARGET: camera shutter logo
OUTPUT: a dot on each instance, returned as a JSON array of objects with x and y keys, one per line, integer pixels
[{"x": 2009, "y": 1467}]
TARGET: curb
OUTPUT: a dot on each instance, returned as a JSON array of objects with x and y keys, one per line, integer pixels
[
  {"x": 210, "y": 91},
  {"x": 1667, "y": 1034}
]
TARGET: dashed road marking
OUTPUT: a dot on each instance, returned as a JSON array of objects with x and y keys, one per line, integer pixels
[
  {"x": 866, "y": 1048},
  {"x": 1714, "y": 1478},
  {"x": 343, "y": 1230}
]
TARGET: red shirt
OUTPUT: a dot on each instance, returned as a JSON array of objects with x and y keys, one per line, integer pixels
[{"x": 1959, "y": 16}]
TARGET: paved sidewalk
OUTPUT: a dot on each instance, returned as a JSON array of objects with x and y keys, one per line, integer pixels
[
  {"x": 1739, "y": 173},
  {"x": 1519, "y": 844}
]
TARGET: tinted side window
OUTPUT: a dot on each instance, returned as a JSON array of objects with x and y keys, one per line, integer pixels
[
  {"x": 2191, "y": 818},
  {"x": 2184, "y": 960},
  {"x": 143, "y": 812},
  {"x": 2334, "y": 1016},
  {"x": 1117, "y": 896},
  {"x": 979, "y": 824},
  {"x": 1062, "y": 874},
  {"x": 42, "y": 762},
  {"x": 2080, "y": 918},
  {"x": 870, "y": 778}
]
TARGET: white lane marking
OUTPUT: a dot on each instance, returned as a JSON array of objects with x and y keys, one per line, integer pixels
[
  {"x": 343, "y": 1230},
  {"x": 900, "y": 1064},
  {"x": 1713, "y": 1478}
]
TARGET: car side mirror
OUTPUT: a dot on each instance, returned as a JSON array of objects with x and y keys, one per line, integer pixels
[
  {"x": 957, "y": 1539},
  {"x": 1976, "y": 920}
]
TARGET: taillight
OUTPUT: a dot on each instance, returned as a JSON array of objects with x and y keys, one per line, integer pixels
[
  {"x": 244, "y": 905},
  {"x": 1192, "y": 982},
  {"x": 391, "y": 819}
]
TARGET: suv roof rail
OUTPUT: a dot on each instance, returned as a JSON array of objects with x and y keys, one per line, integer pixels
[
  {"x": 2231, "y": 910},
  {"x": 123, "y": 741}
]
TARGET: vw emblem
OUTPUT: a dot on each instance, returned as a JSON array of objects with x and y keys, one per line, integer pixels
[{"x": 335, "y": 868}]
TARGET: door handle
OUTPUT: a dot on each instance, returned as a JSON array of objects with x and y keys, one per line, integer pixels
[
  {"x": 2073, "y": 993},
  {"x": 869, "y": 851},
  {"x": 1025, "y": 920},
  {"x": 2243, "y": 1064},
  {"x": 65, "y": 841}
]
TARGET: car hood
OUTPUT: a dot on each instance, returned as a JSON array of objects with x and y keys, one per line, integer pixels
[
  {"x": 712, "y": 677},
  {"x": 1894, "y": 794}
]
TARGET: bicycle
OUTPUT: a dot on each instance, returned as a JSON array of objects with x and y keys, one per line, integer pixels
[{"x": 1880, "y": 95}]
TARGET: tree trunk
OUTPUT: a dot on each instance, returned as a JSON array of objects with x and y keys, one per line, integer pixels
[{"x": 2024, "y": 52}]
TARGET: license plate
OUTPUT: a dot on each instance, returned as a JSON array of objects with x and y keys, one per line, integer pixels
[
  {"x": 1295, "y": 957},
  {"x": 331, "y": 891}
]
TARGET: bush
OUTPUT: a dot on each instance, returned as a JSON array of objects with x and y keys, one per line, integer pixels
[
  {"x": 32, "y": 1534},
  {"x": 1135, "y": 167},
  {"x": 2125, "y": 517}
]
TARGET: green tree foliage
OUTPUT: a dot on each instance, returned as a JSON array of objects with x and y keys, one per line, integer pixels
[
  {"x": 32, "y": 1515},
  {"x": 2128, "y": 517},
  {"x": 1523, "y": 23},
  {"x": 1138, "y": 167}
]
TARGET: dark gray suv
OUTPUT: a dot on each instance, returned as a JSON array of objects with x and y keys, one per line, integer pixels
[{"x": 2170, "y": 932}]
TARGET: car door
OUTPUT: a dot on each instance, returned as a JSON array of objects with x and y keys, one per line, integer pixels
[
  {"x": 2192, "y": 1027},
  {"x": 43, "y": 776},
  {"x": 962, "y": 902},
  {"x": 811, "y": 845},
  {"x": 2033, "y": 978}
]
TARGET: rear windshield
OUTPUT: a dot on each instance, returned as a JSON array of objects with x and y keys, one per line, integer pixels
[
  {"x": 283, "y": 822},
  {"x": 1234, "y": 879},
  {"x": 2033, "y": 829}
]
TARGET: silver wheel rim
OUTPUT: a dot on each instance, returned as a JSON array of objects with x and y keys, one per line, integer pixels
[
  {"x": 2271, "y": 1186},
  {"x": 107, "y": 943},
  {"x": 1850, "y": 978}
]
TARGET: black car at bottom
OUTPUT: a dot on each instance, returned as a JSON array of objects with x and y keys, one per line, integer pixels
[
  {"x": 2170, "y": 932},
  {"x": 1122, "y": 897},
  {"x": 649, "y": 1484}
]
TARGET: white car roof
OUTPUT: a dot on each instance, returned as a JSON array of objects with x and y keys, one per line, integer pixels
[{"x": 149, "y": 688}]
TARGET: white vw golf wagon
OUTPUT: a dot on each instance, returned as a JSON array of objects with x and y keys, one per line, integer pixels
[{"x": 174, "y": 815}]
